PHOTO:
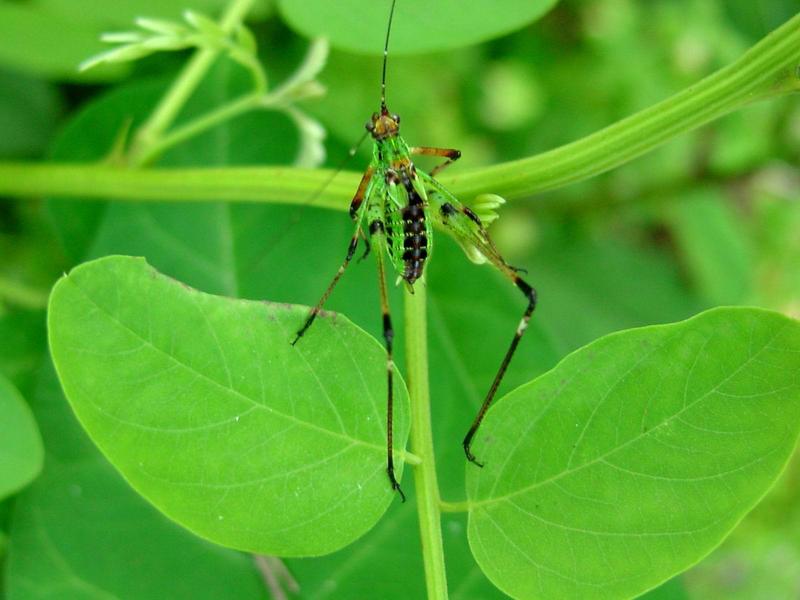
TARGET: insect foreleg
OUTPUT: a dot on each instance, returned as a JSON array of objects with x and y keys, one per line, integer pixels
[
  {"x": 451, "y": 154},
  {"x": 378, "y": 236},
  {"x": 351, "y": 250},
  {"x": 355, "y": 214}
]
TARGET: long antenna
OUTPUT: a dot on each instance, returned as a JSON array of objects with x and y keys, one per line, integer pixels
[{"x": 385, "y": 57}]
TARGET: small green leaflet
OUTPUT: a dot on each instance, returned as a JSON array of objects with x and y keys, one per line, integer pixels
[{"x": 21, "y": 450}]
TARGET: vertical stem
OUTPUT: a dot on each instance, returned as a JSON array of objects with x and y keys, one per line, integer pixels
[
  {"x": 427, "y": 488},
  {"x": 183, "y": 87}
]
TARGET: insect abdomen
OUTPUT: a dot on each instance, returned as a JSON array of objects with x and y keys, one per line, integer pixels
[
  {"x": 415, "y": 237},
  {"x": 415, "y": 242}
]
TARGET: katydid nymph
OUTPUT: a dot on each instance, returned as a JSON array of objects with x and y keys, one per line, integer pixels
[{"x": 397, "y": 205}]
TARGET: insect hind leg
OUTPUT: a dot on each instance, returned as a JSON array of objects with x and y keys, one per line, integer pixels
[
  {"x": 530, "y": 294},
  {"x": 466, "y": 227}
]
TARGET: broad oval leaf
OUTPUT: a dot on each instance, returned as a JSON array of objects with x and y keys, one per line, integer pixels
[
  {"x": 67, "y": 525},
  {"x": 208, "y": 411},
  {"x": 635, "y": 456},
  {"x": 418, "y": 25},
  {"x": 21, "y": 450}
]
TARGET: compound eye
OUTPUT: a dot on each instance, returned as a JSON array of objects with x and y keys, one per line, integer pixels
[
  {"x": 396, "y": 118},
  {"x": 370, "y": 126}
]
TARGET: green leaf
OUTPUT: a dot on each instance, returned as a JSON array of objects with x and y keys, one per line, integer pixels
[
  {"x": 79, "y": 531},
  {"x": 635, "y": 456},
  {"x": 763, "y": 551},
  {"x": 587, "y": 288},
  {"x": 24, "y": 345},
  {"x": 775, "y": 222},
  {"x": 418, "y": 26},
  {"x": 21, "y": 453},
  {"x": 28, "y": 114},
  {"x": 52, "y": 37},
  {"x": 211, "y": 414},
  {"x": 674, "y": 589},
  {"x": 46, "y": 43},
  {"x": 711, "y": 239}
]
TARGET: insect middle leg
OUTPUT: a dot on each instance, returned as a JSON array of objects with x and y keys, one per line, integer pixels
[
  {"x": 376, "y": 230},
  {"x": 451, "y": 154},
  {"x": 355, "y": 212}
]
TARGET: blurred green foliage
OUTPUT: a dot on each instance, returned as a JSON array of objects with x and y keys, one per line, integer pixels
[{"x": 710, "y": 218}]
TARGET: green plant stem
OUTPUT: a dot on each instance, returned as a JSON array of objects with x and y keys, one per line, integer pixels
[
  {"x": 769, "y": 69},
  {"x": 214, "y": 117},
  {"x": 183, "y": 87},
  {"x": 427, "y": 488},
  {"x": 242, "y": 184}
]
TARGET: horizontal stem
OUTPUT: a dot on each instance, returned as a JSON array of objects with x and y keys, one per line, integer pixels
[
  {"x": 767, "y": 70},
  {"x": 206, "y": 121},
  {"x": 242, "y": 184}
]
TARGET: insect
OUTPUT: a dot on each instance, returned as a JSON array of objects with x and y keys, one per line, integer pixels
[{"x": 398, "y": 205}]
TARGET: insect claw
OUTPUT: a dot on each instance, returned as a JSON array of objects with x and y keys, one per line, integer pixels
[
  {"x": 300, "y": 333},
  {"x": 395, "y": 485},
  {"x": 471, "y": 457}
]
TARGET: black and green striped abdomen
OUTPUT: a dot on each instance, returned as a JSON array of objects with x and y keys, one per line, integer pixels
[{"x": 408, "y": 232}]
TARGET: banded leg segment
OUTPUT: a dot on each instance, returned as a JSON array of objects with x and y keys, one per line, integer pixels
[
  {"x": 451, "y": 154},
  {"x": 355, "y": 214},
  {"x": 376, "y": 228}
]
